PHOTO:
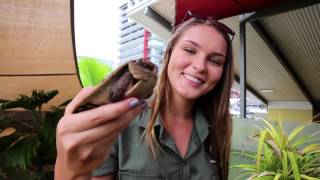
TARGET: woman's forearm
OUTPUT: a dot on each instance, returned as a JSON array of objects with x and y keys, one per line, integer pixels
[{"x": 62, "y": 173}]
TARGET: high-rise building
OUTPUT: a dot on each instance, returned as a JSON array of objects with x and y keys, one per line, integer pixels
[{"x": 136, "y": 41}]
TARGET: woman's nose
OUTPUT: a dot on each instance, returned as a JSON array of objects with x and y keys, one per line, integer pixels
[{"x": 199, "y": 64}]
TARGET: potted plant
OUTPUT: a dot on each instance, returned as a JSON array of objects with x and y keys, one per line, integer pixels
[{"x": 281, "y": 156}]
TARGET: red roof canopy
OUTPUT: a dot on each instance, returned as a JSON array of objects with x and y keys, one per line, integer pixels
[{"x": 220, "y": 8}]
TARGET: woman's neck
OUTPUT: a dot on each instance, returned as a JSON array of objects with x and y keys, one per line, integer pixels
[
  {"x": 179, "y": 108},
  {"x": 178, "y": 122}
]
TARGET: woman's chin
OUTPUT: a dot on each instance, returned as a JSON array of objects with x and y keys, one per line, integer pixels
[{"x": 189, "y": 94}]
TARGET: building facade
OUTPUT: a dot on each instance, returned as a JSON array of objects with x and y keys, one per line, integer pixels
[{"x": 136, "y": 41}]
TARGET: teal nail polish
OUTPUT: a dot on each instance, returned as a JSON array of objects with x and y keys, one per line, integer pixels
[{"x": 134, "y": 103}]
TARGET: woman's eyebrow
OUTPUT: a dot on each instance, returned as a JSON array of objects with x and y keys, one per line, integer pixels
[
  {"x": 192, "y": 42},
  {"x": 217, "y": 54},
  {"x": 198, "y": 45}
]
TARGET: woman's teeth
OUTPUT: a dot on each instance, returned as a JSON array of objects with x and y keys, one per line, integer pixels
[{"x": 192, "y": 79}]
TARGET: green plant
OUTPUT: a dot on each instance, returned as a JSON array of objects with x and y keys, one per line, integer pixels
[
  {"x": 28, "y": 144},
  {"x": 92, "y": 70},
  {"x": 281, "y": 156}
]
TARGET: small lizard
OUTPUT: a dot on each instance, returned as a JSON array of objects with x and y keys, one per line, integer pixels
[{"x": 135, "y": 78}]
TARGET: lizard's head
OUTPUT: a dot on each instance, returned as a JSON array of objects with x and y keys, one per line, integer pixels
[{"x": 145, "y": 64}]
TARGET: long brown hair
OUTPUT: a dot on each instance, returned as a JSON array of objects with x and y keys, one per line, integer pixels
[{"x": 214, "y": 104}]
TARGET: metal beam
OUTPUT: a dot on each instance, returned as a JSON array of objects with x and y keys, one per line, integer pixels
[
  {"x": 157, "y": 17},
  {"x": 276, "y": 50},
  {"x": 252, "y": 90},
  {"x": 281, "y": 8},
  {"x": 316, "y": 112},
  {"x": 243, "y": 69}
]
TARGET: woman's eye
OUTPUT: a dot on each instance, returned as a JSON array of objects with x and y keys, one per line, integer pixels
[
  {"x": 215, "y": 61},
  {"x": 189, "y": 51}
]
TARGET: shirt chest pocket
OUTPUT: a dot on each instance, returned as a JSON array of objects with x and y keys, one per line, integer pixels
[
  {"x": 129, "y": 175},
  {"x": 214, "y": 177}
]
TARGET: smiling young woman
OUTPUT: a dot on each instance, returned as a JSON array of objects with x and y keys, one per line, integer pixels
[
  {"x": 196, "y": 63},
  {"x": 213, "y": 104},
  {"x": 185, "y": 134}
]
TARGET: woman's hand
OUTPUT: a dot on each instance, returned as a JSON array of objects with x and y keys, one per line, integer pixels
[{"x": 84, "y": 139}]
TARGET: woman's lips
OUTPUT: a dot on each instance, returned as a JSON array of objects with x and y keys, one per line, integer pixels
[{"x": 192, "y": 79}]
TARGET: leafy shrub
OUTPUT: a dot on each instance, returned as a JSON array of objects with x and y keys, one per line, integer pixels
[
  {"x": 281, "y": 156},
  {"x": 92, "y": 70},
  {"x": 28, "y": 144}
]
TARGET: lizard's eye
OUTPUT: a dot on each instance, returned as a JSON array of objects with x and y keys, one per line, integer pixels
[{"x": 147, "y": 66}]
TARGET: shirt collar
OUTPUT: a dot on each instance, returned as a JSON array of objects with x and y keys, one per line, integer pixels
[
  {"x": 145, "y": 119},
  {"x": 201, "y": 123}
]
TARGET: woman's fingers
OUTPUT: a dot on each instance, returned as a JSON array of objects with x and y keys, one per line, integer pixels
[
  {"x": 93, "y": 155},
  {"x": 85, "y": 156},
  {"x": 94, "y": 117},
  {"x": 77, "y": 99},
  {"x": 72, "y": 133},
  {"x": 109, "y": 128},
  {"x": 85, "y": 139}
]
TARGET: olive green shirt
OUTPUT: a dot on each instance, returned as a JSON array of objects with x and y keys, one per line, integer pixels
[{"x": 131, "y": 157}]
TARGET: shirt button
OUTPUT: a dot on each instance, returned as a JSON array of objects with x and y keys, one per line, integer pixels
[
  {"x": 183, "y": 163},
  {"x": 194, "y": 170}
]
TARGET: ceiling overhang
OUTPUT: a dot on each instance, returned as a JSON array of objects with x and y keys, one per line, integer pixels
[{"x": 155, "y": 15}]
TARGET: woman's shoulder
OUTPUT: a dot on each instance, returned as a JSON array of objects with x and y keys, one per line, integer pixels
[
  {"x": 140, "y": 121},
  {"x": 131, "y": 135}
]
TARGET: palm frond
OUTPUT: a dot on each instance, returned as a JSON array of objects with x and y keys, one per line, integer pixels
[
  {"x": 7, "y": 132},
  {"x": 21, "y": 153},
  {"x": 294, "y": 165},
  {"x": 30, "y": 103}
]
